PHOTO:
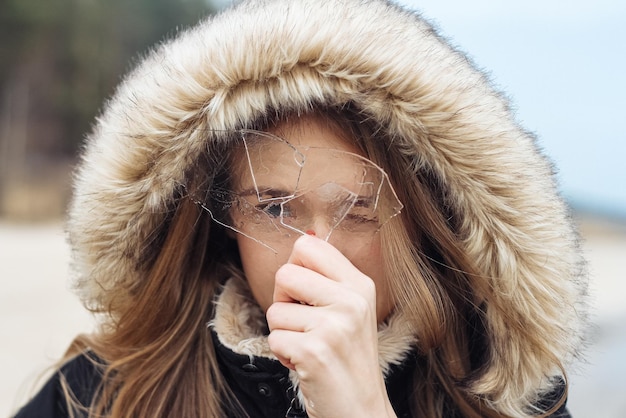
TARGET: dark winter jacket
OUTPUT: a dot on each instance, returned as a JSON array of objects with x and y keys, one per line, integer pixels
[{"x": 262, "y": 387}]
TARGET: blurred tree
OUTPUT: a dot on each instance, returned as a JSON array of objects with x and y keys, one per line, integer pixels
[
  {"x": 62, "y": 58},
  {"x": 59, "y": 61}
]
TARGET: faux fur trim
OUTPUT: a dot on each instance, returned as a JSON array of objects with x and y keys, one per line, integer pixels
[
  {"x": 432, "y": 103},
  {"x": 240, "y": 325},
  {"x": 239, "y": 321}
]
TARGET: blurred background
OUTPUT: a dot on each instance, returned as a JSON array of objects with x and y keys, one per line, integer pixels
[{"x": 562, "y": 64}]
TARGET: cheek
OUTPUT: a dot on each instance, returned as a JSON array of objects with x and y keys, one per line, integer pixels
[
  {"x": 373, "y": 267},
  {"x": 259, "y": 266},
  {"x": 366, "y": 256},
  {"x": 369, "y": 260}
]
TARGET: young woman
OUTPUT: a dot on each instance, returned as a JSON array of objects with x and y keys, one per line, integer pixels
[{"x": 317, "y": 208}]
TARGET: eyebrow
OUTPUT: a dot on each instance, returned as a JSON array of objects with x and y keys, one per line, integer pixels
[
  {"x": 265, "y": 191},
  {"x": 364, "y": 201}
]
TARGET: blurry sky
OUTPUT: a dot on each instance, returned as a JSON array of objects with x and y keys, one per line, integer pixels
[{"x": 564, "y": 66}]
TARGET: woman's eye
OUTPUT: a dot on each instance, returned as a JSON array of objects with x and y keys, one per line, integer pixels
[
  {"x": 361, "y": 219},
  {"x": 272, "y": 209},
  {"x": 276, "y": 209}
]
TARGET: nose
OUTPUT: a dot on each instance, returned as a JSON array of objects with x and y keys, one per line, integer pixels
[
  {"x": 319, "y": 227},
  {"x": 334, "y": 236}
]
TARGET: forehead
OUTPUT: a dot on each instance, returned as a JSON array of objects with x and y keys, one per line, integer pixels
[
  {"x": 302, "y": 152},
  {"x": 315, "y": 131}
]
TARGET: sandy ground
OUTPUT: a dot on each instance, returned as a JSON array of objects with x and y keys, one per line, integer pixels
[{"x": 39, "y": 316}]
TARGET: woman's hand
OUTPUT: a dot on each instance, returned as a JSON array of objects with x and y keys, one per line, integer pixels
[{"x": 323, "y": 325}]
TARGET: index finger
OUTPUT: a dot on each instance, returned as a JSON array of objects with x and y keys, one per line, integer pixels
[{"x": 321, "y": 257}]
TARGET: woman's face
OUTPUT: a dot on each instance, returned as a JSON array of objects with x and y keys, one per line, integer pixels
[{"x": 266, "y": 170}]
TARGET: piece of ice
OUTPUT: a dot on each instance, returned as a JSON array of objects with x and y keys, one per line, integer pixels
[{"x": 276, "y": 191}]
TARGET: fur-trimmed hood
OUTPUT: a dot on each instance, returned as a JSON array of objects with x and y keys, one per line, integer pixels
[{"x": 391, "y": 65}]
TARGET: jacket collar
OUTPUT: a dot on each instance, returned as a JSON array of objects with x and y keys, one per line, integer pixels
[
  {"x": 241, "y": 331},
  {"x": 240, "y": 325}
]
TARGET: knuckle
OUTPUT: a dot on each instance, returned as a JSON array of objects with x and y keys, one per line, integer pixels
[
  {"x": 281, "y": 273},
  {"x": 274, "y": 341},
  {"x": 285, "y": 273},
  {"x": 272, "y": 314},
  {"x": 302, "y": 244},
  {"x": 369, "y": 287}
]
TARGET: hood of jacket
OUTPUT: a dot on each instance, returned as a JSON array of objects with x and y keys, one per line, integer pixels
[{"x": 392, "y": 65}]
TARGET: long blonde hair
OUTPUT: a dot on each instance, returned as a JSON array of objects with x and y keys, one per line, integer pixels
[
  {"x": 157, "y": 348},
  {"x": 158, "y": 353}
]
